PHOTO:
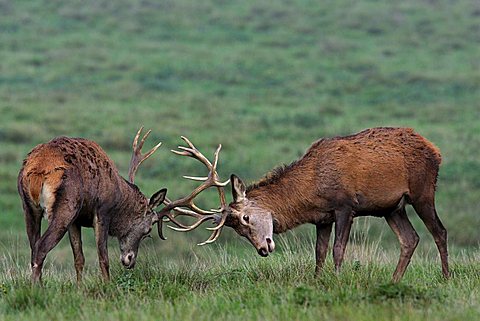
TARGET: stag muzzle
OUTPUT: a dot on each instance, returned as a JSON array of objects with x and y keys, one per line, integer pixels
[
  {"x": 268, "y": 248},
  {"x": 128, "y": 259}
]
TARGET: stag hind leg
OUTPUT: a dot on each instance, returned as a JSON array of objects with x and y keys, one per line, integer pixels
[
  {"x": 425, "y": 208},
  {"x": 61, "y": 212},
  {"x": 408, "y": 238},
  {"x": 54, "y": 233},
  {"x": 33, "y": 220},
  {"x": 33, "y": 223}
]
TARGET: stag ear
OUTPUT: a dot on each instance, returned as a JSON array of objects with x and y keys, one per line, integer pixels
[
  {"x": 157, "y": 198},
  {"x": 238, "y": 189}
]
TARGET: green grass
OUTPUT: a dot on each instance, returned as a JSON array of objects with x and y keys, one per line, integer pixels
[
  {"x": 224, "y": 286},
  {"x": 266, "y": 80}
]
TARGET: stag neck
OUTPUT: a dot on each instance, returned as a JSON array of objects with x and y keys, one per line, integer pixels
[
  {"x": 288, "y": 205},
  {"x": 129, "y": 204}
]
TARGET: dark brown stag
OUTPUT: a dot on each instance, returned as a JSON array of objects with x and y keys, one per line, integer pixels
[
  {"x": 73, "y": 183},
  {"x": 375, "y": 172}
]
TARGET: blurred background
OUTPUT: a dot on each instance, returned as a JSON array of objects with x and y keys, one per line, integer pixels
[{"x": 265, "y": 79}]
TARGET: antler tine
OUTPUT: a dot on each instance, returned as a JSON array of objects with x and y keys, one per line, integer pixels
[
  {"x": 143, "y": 139},
  {"x": 195, "y": 153},
  {"x": 135, "y": 140},
  {"x": 215, "y": 156},
  {"x": 219, "y": 225},
  {"x": 171, "y": 218},
  {"x": 197, "y": 209},
  {"x": 181, "y": 211},
  {"x": 137, "y": 156},
  {"x": 213, "y": 237},
  {"x": 186, "y": 205},
  {"x": 220, "y": 185},
  {"x": 191, "y": 227},
  {"x": 196, "y": 178},
  {"x": 189, "y": 143},
  {"x": 179, "y": 153}
]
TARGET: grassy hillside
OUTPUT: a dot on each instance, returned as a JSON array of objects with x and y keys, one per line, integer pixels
[{"x": 265, "y": 80}]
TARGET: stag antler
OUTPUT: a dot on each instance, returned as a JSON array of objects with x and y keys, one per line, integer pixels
[
  {"x": 137, "y": 156},
  {"x": 186, "y": 206}
]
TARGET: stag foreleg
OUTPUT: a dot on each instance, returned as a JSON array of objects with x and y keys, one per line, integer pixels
[
  {"x": 323, "y": 236},
  {"x": 408, "y": 238},
  {"x": 343, "y": 224},
  {"x": 101, "y": 237},
  {"x": 75, "y": 235}
]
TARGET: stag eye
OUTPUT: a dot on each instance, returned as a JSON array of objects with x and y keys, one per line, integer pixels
[{"x": 246, "y": 218}]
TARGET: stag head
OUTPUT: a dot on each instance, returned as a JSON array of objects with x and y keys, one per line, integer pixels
[
  {"x": 144, "y": 216},
  {"x": 249, "y": 220},
  {"x": 242, "y": 215},
  {"x": 139, "y": 229}
]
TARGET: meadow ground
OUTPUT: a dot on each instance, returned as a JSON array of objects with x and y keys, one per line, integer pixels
[
  {"x": 225, "y": 286},
  {"x": 265, "y": 80}
]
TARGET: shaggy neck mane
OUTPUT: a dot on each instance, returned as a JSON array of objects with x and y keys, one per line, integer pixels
[
  {"x": 272, "y": 177},
  {"x": 129, "y": 205},
  {"x": 281, "y": 192}
]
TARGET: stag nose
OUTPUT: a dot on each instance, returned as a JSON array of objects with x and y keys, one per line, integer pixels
[
  {"x": 128, "y": 260},
  {"x": 270, "y": 244},
  {"x": 263, "y": 252}
]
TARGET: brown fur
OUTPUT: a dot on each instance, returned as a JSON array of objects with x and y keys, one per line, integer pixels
[
  {"x": 374, "y": 172},
  {"x": 340, "y": 169},
  {"x": 74, "y": 183}
]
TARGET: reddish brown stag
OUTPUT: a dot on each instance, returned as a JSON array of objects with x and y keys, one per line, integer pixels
[
  {"x": 73, "y": 183},
  {"x": 376, "y": 172}
]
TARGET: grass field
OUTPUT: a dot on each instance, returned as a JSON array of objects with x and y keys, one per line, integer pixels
[
  {"x": 227, "y": 287},
  {"x": 265, "y": 80}
]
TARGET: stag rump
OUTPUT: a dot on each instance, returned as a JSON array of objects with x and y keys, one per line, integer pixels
[
  {"x": 73, "y": 183},
  {"x": 375, "y": 172}
]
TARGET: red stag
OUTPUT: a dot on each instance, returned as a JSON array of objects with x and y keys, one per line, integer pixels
[
  {"x": 375, "y": 172},
  {"x": 73, "y": 183}
]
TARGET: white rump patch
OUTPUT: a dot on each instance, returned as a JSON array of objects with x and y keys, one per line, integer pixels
[{"x": 46, "y": 200}]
